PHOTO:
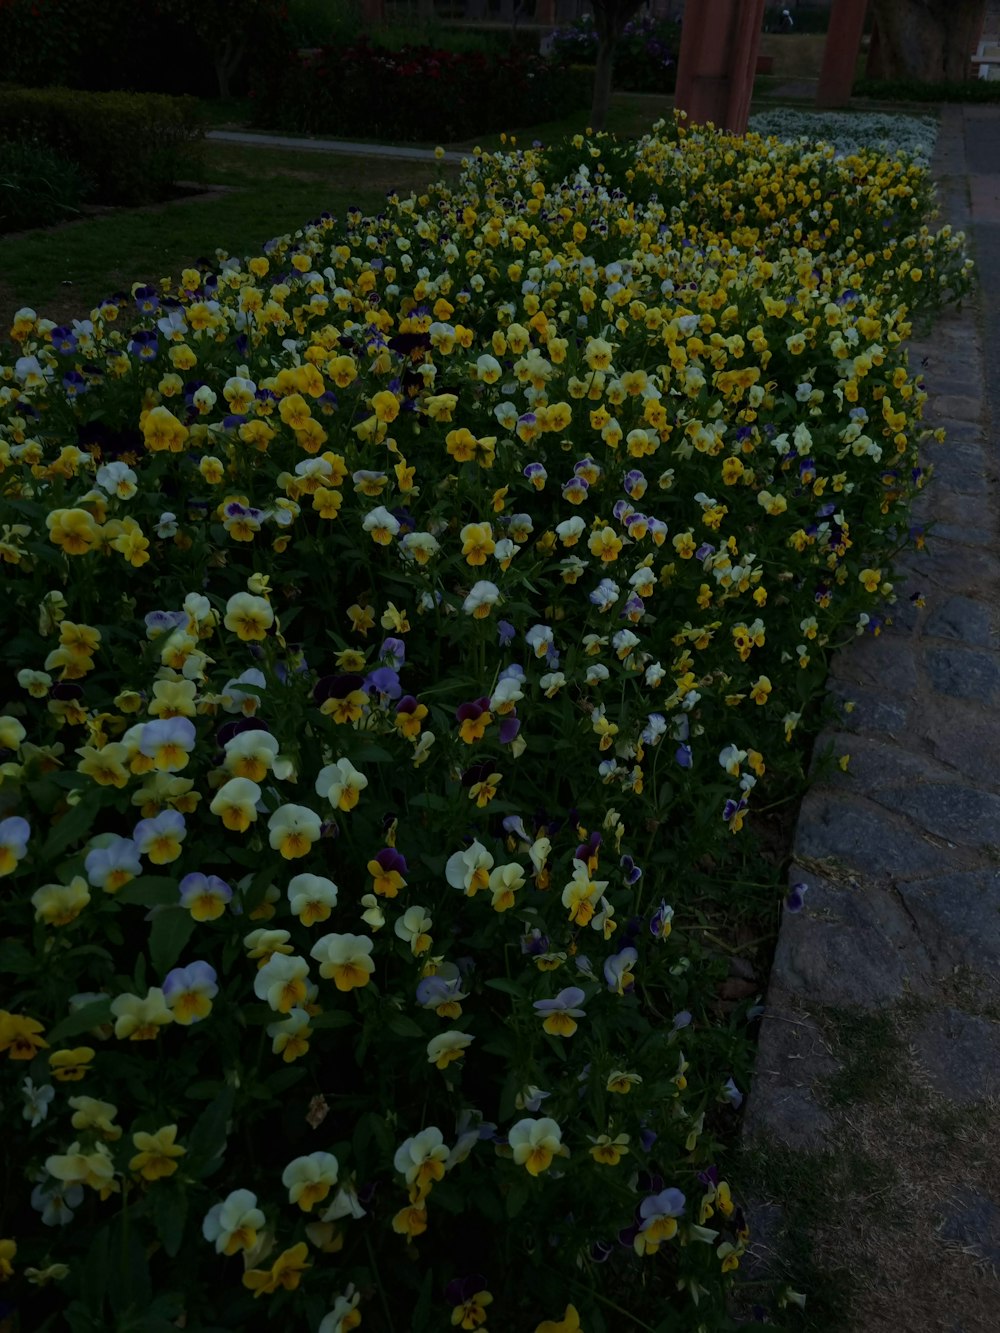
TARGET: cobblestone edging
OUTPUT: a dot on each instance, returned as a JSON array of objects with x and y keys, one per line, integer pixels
[{"x": 902, "y": 859}]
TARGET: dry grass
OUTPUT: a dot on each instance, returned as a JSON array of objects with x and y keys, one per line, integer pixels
[{"x": 874, "y": 1208}]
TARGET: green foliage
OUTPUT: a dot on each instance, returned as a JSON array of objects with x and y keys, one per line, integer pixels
[
  {"x": 164, "y": 46},
  {"x": 914, "y": 90},
  {"x": 412, "y": 92},
  {"x": 645, "y": 53},
  {"x": 132, "y": 146},
  {"x": 324, "y": 22},
  {"x": 38, "y": 186}
]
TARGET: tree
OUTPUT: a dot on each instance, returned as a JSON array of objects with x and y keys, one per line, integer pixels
[
  {"x": 926, "y": 40},
  {"x": 231, "y": 30},
  {"x": 610, "y": 18}
]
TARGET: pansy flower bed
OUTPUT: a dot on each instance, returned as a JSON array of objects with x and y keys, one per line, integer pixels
[{"x": 398, "y": 624}]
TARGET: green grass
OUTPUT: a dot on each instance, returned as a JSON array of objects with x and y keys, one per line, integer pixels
[
  {"x": 870, "y": 1051},
  {"x": 806, "y": 1187},
  {"x": 63, "y": 272}
]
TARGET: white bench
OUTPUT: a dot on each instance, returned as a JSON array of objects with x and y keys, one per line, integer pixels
[{"x": 986, "y": 61}]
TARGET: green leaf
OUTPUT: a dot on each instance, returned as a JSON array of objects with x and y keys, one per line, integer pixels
[
  {"x": 332, "y": 1018},
  {"x": 517, "y": 1198},
  {"x": 256, "y": 1015},
  {"x": 420, "y": 1319},
  {"x": 171, "y": 929},
  {"x": 254, "y": 895},
  {"x": 207, "y": 1142},
  {"x": 373, "y": 754},
  {"x": 15, "y": 958},
  {"x": 149, "y": 891},
  {"x": 168, "y": 1205},
  {"x": 82, "y": 1020},
  {"x": 130, "y": 1289},
  {"x": 402, "y": 1026},
  {"x": 508, "y": 987},
  {"x": 45, "y": 793},
  {"x": 94, "y": 1271},
  {"x": 283, "y": 1079},
  {"x": 73, "y": 825},
  {"x": 430, "y": 801},
  {"x": 206, "y": 1090}
]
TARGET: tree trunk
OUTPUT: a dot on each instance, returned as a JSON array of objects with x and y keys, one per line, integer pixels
[
  {"x": 603, "y": 74},
  {"x": 610, "y": 17},
  {"x": 927, "y": 40},
  {"x": 228, "y": 57}
]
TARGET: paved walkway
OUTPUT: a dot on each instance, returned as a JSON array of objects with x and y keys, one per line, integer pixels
[
  {"x": 872, "y": 1118},
  {"x": 342, "y": 146}
]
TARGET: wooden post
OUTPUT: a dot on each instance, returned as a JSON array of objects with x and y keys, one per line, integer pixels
[
  {"x": 840, "y": 52},
  {"x": 717, "y": 61},
  {"x": 373, "y": 13}
]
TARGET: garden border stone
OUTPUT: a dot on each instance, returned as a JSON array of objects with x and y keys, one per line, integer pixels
[{"x": 901, "y": 854}]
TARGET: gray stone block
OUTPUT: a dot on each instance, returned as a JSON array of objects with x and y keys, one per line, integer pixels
[
  {"x": 887, "y": 663},
  {"x": 965, "y": 737},
  {"x": 865, "y": 838},
  {"x": 876, "y": 764},
  {"x": 963, "y": 534},
  {"x": 958, "y": 918},
  {"x": 964, "y": 673},
  {"x": 959, "y": 814},
  {"x": 871, "y": 714},
  {"x": 962, "y": 618},
  {"x": 952, "y": 567},
  {"x": 852, "y": 945},
  {"x": 792, "y": 1058},
  {"x": 959, "y": 470}
]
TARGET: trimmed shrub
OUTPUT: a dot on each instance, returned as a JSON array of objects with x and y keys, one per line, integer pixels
[
  {"x": 133, "y": 146},
  {"x": 38, "y": 186},
  {"x": 416, "y": 92},
  {"x": 912, "y": 90}
]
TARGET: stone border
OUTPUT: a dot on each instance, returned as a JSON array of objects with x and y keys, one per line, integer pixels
[{"x": 902, "y": 854}]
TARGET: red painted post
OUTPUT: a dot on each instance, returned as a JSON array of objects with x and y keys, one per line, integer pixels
[
  {"x": 718, "y": 60},
  {"x": 840, "y": 52},
  {"x": 545, "y": 12}
]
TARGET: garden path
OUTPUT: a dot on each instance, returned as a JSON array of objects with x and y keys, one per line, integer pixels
[
  {"x": 333, "y": 146},
  {"x": 870, "y": 1128}
]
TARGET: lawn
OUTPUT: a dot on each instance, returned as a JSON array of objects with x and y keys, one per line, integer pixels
[{"x": 64, "y": 271}]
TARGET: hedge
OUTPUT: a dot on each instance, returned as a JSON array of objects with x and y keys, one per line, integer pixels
[
  {"x": 414, "y": 93},
  {"x": 132, "y": 145}
]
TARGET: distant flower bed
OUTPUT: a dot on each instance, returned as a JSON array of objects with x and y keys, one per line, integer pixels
[
  {"x": 415, "y": 92},
  {"x": 645, "y": 57},
  {"x": 852, "y": 132},
  {"x": 400, "y": 627}
]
